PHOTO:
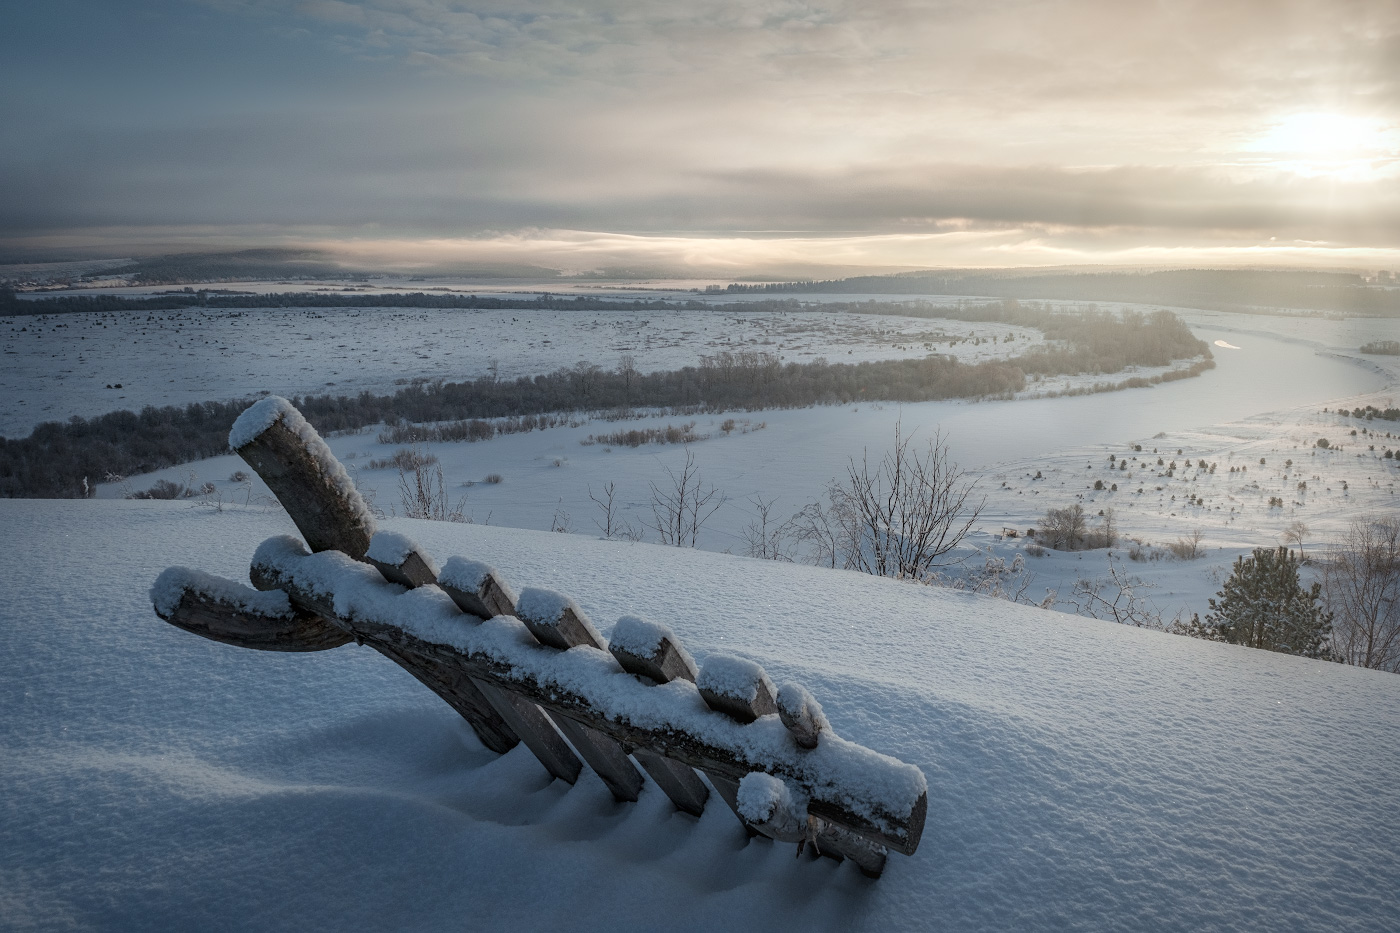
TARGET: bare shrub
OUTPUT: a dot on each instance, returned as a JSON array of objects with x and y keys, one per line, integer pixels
[
  {"x": 1117, "y": 597},
  {"x": 406, "y": 458},
  {"x": 1187, "y": 547},
  {"x": 238, "y": 476},
  {"x": 904, "y": 517},
  {"x": 612, "y": 525},
  {"x": 494, "y": 478},
  {"x": 681, "y": 506},
  {"x": 1361, "y": 588},
  {"x": 163, "y": 489},
  {"x": 423, "y": 494}
]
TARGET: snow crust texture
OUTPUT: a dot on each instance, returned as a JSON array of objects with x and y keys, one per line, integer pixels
[{"x": 1082, "y": 776}]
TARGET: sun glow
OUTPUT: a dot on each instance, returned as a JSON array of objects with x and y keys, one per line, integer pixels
[{"x": 1325, "y": 134}]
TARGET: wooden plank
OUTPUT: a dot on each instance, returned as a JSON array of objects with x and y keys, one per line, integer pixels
[
  {"x": 327, "y": 511},
  {"x": 677, "y": 781},
  {"x": 476, "y": 588},
  {"x": 412, "y": 571},
  {"x": 530, "y": 723},
  {"x": 462, "y": 694},
  {"x": 900, "y": 830},
  {"x": 607, "y": 758}
]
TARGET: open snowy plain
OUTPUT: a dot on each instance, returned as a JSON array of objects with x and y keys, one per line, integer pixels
[{"x": 1082, "y": 775}]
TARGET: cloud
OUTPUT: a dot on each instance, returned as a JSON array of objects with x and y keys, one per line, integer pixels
[{"x": 1032, "y": 128}]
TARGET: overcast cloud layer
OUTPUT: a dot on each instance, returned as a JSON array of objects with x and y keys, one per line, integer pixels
[{"x": 709, "y": 136}]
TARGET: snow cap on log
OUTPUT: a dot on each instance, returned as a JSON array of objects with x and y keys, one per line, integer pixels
[
  {"x": 772, "y": 805},
  {"x": 555, "y": 619},
  {"x": 401, "y": 560},
  {"x": 232, "y": 613},
  {"x": 650, "y": 649},
  {"x": 277, "y": 442},
  {"x": 802, "y": 714},
  {"x": 736, "y": 687},
  {"x": 477, "y": 588}
]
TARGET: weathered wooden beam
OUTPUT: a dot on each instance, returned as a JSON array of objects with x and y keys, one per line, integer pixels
[
  {"x": 555, "y": 619},
  {"x": 770, "y": 804},
  {"x": 736, "y": 687},
  {"x": 400, "y": 560},
  {"x": 276, "y": 441},
  {"x": 870, "y": 795},
  {"x": 652, "y": 651},
  {"x": 232, "y": 613},
  {"x": 534, "y": 728},
  {"x": 476, "y": 588},
  {"x": 228, "y": 612}
]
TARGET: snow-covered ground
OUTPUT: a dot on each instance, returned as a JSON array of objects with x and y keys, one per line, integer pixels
[
  {"x": 57, "y": 366},
  {"x": 1264, "y": 399},
  {"x": 1082, "y": 775}
]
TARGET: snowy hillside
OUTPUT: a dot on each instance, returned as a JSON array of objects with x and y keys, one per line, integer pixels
[{"x": 1082, "y": 775}]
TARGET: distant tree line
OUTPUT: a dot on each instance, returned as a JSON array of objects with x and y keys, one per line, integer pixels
[
  {"x": 1213, "y": 289},
  {"x": 65, "y": 459}
]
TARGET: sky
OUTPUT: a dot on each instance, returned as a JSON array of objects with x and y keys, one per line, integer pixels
[{"x": 713, "y": 137}]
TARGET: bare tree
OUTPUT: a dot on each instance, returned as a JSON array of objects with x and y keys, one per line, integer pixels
[
  {"x": 813, "y": 526},
  {"x": 1294, "y": 534},
  {"x": 681, "y": 507},
  {"x": 766, "y": 537},
  {"x": 1361, "y": 587},
  {"x": 904, "y": 517},
  {"x": 1108, "y": 527},
  {"x": 1064, "y": 529}
]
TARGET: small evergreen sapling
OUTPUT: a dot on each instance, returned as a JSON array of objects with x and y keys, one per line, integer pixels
[{"x": 1263, "y": 605}]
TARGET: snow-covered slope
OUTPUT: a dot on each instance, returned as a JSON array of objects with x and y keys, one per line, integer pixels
[{"x": 1082, "y": 775}]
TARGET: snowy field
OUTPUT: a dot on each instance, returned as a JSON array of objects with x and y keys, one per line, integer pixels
[
  {"x": 58, "y": 366},
  {"x": 1263, "y": 399},
  {"x": 1083, "y": 775}
]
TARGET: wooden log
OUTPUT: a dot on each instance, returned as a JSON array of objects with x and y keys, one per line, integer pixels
[
  {"x": 888, "y": 806},
  {"x": 802, "y": 715},
  {"x": 461, "y": 693},
  {"x": 276, "y": 441},
  {"x": 769, "y": 804},
  {"x": 217, "y": 614},
  {"x": 400, "y": 560},
  {"x": 555, "y": 619},
  {"x": 736, "y": 687},
  {"x": 476, "y": 588}
]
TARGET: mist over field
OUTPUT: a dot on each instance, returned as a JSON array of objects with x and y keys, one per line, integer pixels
[{"x": 958, "y": 442}]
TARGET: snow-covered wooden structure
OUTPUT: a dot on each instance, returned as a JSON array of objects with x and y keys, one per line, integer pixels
[{"x": 530, "y": 667}]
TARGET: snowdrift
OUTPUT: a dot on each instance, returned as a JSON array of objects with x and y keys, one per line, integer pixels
[{"x": 1081, "y": 775}]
